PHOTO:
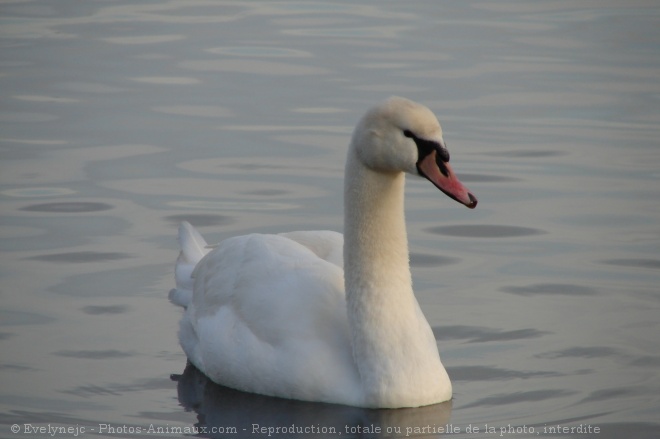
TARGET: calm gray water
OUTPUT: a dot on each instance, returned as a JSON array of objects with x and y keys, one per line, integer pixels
[{"x": 119, "y": 119}]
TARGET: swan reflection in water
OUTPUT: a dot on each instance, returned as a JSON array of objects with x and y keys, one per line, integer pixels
[{"x": 225, "y": 412}]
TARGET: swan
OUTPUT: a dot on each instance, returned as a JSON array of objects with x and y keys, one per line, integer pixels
[{"x": 315, "y": 316}]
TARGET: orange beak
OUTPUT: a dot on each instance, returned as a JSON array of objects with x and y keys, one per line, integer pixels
[{"x": 442, "y": 176}]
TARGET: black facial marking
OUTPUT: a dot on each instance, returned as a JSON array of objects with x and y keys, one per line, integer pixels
[
  {"x": 441, "y": 165},
  {"x": 426, "y": 147}
]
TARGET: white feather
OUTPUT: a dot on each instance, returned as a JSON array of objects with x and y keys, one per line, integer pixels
[{"x": 193, "y": 248}]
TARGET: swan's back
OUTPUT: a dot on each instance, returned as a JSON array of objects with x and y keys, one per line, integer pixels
[{"x": 325, "y": 244}]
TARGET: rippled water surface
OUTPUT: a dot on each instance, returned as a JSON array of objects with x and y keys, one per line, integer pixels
[{"x": 119, "y": 119}]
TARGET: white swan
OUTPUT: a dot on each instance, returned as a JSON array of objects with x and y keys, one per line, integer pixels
[{"x": 278, "y": 315}]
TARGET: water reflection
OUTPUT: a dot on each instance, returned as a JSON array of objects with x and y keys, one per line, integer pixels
[
  {"x": 166, "y": 80},
  {"x": 222, "y": 408},
  {"x": 94, "y": 354},
  {"x": 479, "y": 334},
  {"x": 244, "y": 206},
  {"x": 487, "y": 373},
  {"x": 253, "y": 66},
  {"x": 529, "y": 153},
  {"x": 68, "y": 207},
  {"x": 201, "y": 219},
  {"x": 516, "y": 397},
  {"x": 486, "y": 178},
  {"x": 425, "y": 260},
  {"x": 105, "y": 309},
  {"x": 582, "y": 352},
  {"x": 81, "y": 257},
  {"x": 266, "y": 165},
  {"x": 484, "y": 231},
  {"x": 634, "y": 262},
  {"x": 38, "y": 192},
  {"x": 550, "y": 289},
  {"x": 259, "y": 51},
  {"x": 211, "y": 111},
  {"x": 89, "y": 390}
]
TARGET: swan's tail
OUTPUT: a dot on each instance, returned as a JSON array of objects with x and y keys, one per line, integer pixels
[{"x": 193, "y": 248}]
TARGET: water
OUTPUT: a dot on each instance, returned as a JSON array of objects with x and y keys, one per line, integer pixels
[{"x": 120, "y": 119}]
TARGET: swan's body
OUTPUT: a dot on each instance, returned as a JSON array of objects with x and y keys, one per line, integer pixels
[{"x": 278, "y": 315}]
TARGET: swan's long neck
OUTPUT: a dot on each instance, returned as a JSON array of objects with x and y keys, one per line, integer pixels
[
  {"x": 391, "y": 339},
  {"x": 376, "y": 244}
]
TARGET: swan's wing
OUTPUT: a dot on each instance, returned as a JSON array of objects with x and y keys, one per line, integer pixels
[
  {"x": 325, "y": 244},
  {"x": 264, "y": 278},
  {"x": 269, "y": 316}
]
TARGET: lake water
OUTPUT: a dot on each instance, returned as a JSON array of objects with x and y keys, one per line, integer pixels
[{"x": 119, "y": 119}]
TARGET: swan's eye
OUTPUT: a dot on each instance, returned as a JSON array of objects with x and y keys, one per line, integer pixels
[{"x": 425, "y": 147}]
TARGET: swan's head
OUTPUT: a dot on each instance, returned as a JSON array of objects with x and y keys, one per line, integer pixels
[{"x": 400, "y": 135}]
